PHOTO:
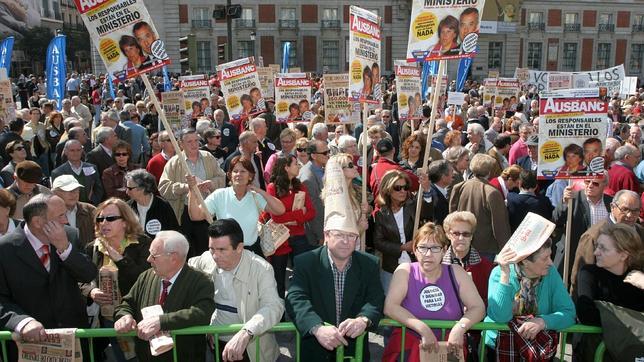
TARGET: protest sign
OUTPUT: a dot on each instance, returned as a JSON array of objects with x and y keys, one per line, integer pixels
[
  {"x": 506, "y": 89},
  {"x": 292, "y": 97},
  {"x": 125, "y": 36},
  {"x": 522, "y": 74},
  {"x": 489, "y": 92},
  {"x": 572, "y": 134},
  {"x": 174, "y": 108},
  {"x": 337, "y": 108},
  {"x": 408, "y": 87},
  {"x": 493, "y": 73},
  {"x": 559, "y": 81},
  {"x": 267, "y": 80},
  {"x": 7, "y": 106},
  {"x": 194, "y": 88},
  {"x": 455, "y": 98},
  {"x": 539, "y": 79},
  {"x": 364, "y": 56},
  {"x": 61, "y": 345},
  {"x": 629, "y": 87},
  {"x": 241, "y": 88},
  {"x": 458, "y": 21},
  {"x": 533, "y": 231}
]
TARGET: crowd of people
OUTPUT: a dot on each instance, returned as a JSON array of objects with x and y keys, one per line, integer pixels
[{"x": 99, "y": 186}]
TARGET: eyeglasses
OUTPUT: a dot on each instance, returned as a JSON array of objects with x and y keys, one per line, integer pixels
[
  {"x": 100, "y": 219},
  {"x": 626, "y": 210},
  {"x": 131, "y": 187},
  {"x": 401, "y": 187},
  {"x": 301, "y": 149},
  {"x": 155, "y": 256},
  {"x": 458, "y": 234},
  {"x": 591, "y": 182},
  {"x": 121, "y": 154},
  {"x": 343, "y": 236},
  {"x": 423, "y": 250},
  {"x": 326, "y": 153},
  {"x": 349, "y": 165},
  {"x": 19, "y": 148}
]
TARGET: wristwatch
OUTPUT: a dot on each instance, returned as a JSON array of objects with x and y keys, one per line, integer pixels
[
  {"x": 250, "y": 334},
  {"x": 365, "y": 319},
  {"x": 462, "y": 325}
]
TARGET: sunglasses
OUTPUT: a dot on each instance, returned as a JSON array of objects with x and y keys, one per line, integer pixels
[
  {"x": 326, "y": 153},
  {"x": 349, "y": 165},
  {"x": 19, "y": 148},
  {"x": 100, "y": 219},
  {"x": 401, "y": 187},
  {"x": 301, "y": 149},
  {"x": 131, "y": 187},
  {"x": 121, "y": 154},
  {"x": 458, "y": 234}
]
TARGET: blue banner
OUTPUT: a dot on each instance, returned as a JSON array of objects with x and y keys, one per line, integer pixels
[
  {"x": 463, "y": 68},
  {"x": 286, "y": 54},
  {"x": 56, "y": 70},
  {"x": 167, "y": 85},
  {"x": 6, "y": 48},
  {"x": 429, "y": 69},
  {"x": 110, "y": 85}
]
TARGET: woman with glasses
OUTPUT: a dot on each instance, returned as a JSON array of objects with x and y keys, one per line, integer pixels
[
  {"x": 213, "y": 144},
  {"x": 619, "y": 261},
  {"x": 17, "y": 152},
  {"x": 241, "y": 201},
  {"x": 528, "y": 294},
  {"x": 394, "y": 223},
  {"x": 120, "y": 244},
  {"x": 154, "y": 213},
  {"x": 114, "y": 176},
  {"x": 428, "y": 289},
  {"x": 286, "y": 187}
]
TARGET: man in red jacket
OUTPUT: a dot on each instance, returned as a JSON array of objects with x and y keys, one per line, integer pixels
[
  {"x": 157, "y": 163},
  {"x": 386, "y": 151}
]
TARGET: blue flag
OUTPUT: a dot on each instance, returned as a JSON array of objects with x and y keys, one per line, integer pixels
[
  {"x": 110, "y": 85},
  {"x": 463, "y": 67},
  {"x": 429, "y": 69},
  {"x": 6, "y": 48},
  {"x": 56, "y": 71},
  {"x": 286, "y": 54},
  {"x": 167, "y": 85}
]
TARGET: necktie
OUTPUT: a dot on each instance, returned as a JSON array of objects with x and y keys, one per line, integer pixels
[
  {"x": 164, "y": 292},
  {"x": 44, "y": 258}
]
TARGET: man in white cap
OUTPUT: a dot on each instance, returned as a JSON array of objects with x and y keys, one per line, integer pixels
[
  {"x": 79, "y": 214},
  {"x": 335, "y": 294}
]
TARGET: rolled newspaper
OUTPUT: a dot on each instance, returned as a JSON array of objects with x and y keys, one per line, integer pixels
[
  {"x": 161, "y": 342},
  {"x": 108, "y": 282}
]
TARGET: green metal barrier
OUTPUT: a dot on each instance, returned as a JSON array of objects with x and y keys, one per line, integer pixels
[{"x": 216, "y": 331}]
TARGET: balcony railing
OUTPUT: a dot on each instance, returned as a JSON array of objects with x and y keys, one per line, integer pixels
[
  {"x": 536, "y": 26},
  {"x": 606, "y": 27},
  {"x": 202, "y": 24},
  {"x": 572, "y": 28},
  {"x": 288, "y": 24},
  {"x": 330, "y": 24},
  {"x": 638, "y": 28},
  {"x": 245, "y": 23}
]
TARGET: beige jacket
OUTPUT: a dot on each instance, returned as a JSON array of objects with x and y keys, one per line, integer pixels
[
  {"x": 259, "y": 307},
  {"x": 173, "y": 186}
]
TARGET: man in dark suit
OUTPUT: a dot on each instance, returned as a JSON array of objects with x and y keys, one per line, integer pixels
[
  {"x": 519, "y": 205},
  {"x": 113, "y": 121},
  {"x": 229, "y": 140},
  {"x": 312, "y": 176},
  {"x": 265, "y": 147},
  {"x": 336, "y": 294},
  {"x": 40, "y": 268},
  {"x": 85, "y": 173},
  {"x": 185, "y": 294},
  {"x": 392, "y": 128},
  {"x": 247, "y": 147},
  {"x": 441, "y": 175},
  {"x": 582, "y": 215},
  {"x": 74, "y": 133},
  {"x": 101, "y": 155}
]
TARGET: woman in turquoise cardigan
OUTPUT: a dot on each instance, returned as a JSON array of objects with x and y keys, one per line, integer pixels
[{"x": 529, "y": 292}]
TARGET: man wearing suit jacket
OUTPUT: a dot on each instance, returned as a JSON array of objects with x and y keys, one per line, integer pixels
[
  {"x": 40, "y": 268},
  {"x": 335, "y": 294},
  {"x": 441, "y": 175},
  {"x": 85, "y": 173},
  {"x": 185, "y": 294},
  {"x": 312, "y": 176},
  {"x": 101, "y": 155},
  {"x": 582, "y": 215},
  {"x": 519, "y": 205},
  {"x": 229, "y": 140},
  {"x": 80, "y": 215}
]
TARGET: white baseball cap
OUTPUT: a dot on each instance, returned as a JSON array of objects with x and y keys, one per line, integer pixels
[{"x": 66, "y": 183}]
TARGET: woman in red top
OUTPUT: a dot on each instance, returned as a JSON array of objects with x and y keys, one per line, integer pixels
[{"x": 285, "y": 186}]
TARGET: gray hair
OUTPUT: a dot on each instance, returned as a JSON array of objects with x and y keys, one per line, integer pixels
[
  {"x": 66, "y": 101},
  {"x": 472, "y": 112},
  {"x": 69, "y": 143},
  {"x": 476, "y": 128},
  {"x": 244, "y": 136},
  {"x": 256, "y": 122},
  {"x": 453, "y": 154},
  {"x": 622, "y": 151},
  {"x": 345, "y": 141},
  {"x": 68, "y": 121},
  {"x": 143, "y": 179},
  {"x": 129, "y": 107},
  {"x": 103, "y": 133},
  {"x": 619, "y": 195},
  {"x": 318, "y": 129},
  {"x": 202, "y": 126},
  {"x": 174, "y": 242},
  {"x": 36, "y": 206}
]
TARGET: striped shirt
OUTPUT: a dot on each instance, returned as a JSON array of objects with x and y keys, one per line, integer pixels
[{"x": 338, "y": 282}]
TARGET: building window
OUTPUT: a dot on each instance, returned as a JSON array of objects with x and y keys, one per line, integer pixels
[
  {"x": 535, "y": 52},
  {"x": 201, "y": 18},
  {"x": 203, "y": 57},
  {"x": 605, "y": 19},
  {"x": 331, "y": 55},
  {"x": 535, "y": 18},
  {"x": 603, "y": 55},
  {"x": 330, "y": 14},
  {"x": 571, "y": 18},
  {"x": 287, "y": 14},
  {"x": 247, "y": 14},
  {"x": 246, "y": 49},
  {"x": 637, "y": 57},
  {"x": 292, "y": 59},
  {"x": 495, "y": 55},
  {"x": 569, "y": 57},
  {"x": 638, "y": 23}
]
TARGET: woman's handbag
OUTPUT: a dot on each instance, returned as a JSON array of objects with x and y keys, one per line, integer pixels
[{"x": 271, "y": 234}]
